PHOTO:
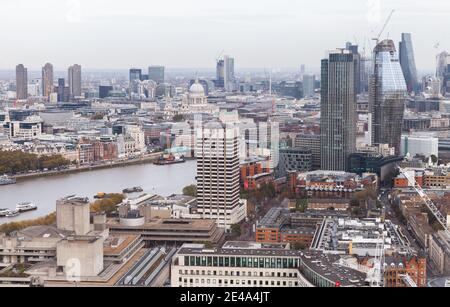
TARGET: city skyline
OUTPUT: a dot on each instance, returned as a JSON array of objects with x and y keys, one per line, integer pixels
[{"x": 294, "y": 35}]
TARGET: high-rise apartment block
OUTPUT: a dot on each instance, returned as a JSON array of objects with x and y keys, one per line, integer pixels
[
  {"x": 21, "y": 82},
  {"x": 338, "y": 110},
  {"x": 218, "y": 175},
  {"x": 47, "y": 80},
  {"x": 75, "y": 81}
]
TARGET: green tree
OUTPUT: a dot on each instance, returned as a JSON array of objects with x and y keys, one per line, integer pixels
[
  {"x": 190, "y": 190},
  {"x": 434, "y": 159},
  {"x": 13, "y": 162},
  {"x": 16, "y": 226},
  {"x": 108, "y": 204},
  {"x": 299, "y": 246},
  {"x": 236, "y": 229},
  {"x": 301, "y": 205},
  {"x": 178, "y": 118}
]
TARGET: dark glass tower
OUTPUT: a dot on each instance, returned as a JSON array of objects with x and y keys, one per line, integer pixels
[
  {"x": 408, "y": 63},
  {"x": 388, "y": 93},
  {"x": 338, "y": 110}
]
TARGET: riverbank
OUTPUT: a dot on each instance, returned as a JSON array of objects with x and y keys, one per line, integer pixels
[
  {"x": 45, "y": 190},
  {"x": 143, "y": 160}
]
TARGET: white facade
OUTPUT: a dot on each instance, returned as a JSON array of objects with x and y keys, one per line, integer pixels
[
  {"x": 195, "y": 266},
  {"x": 420, "y": 145},
  {"x": 29, "y": 129},
  {"x": 138, "y": 136},
  {"x": 217, "y": 151}
]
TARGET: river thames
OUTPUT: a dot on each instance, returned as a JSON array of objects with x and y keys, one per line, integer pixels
[{"x": 44, "y": 191}]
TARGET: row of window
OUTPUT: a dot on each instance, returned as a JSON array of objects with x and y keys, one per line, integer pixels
[
  {"x": 220, "y": 282},
  {"x": 238, "y": 273},
  {"x": 245, "y": 262}
]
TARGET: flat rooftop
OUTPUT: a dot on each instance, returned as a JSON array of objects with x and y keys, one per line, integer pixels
[
  {"x": 116, "y": 244},
  {"x": 168, "y": 224}
]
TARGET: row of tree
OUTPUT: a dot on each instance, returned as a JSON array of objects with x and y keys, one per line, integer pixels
[
  {"x": 16, "y": 226},
  {"x": 13, "y": 162},
  {"x": 108, "y": 204}
]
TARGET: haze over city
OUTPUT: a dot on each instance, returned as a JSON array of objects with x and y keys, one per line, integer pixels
[
  {"x": 236, "y": 144},
  {"x": 102, "y": 34}
]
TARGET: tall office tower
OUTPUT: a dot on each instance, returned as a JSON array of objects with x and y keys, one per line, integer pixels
[
  {"x": 443, "y": 60},
  {"x": 443, "y": 71},
  {"x": 75, "y": 81},
  {"x": 157, "y": 74},
  {"x": 229, "y": 73},
  {"x": 387, "y": 96},
  {"x": 357, "y": 57},
  {"x": 60, "y": 89},
  {"x": 338, "y": 110},
  {"x": 303, "y": 69},
  {"x": 135, "y": 74},
  {"x": 135, "y": 78},
  {"x": 366, "y": 71},
  {"x": 47, "y": 80},
  {"x": 21, "y": 82},
  {"x": 309, "y": 82},
  {"x": 408, "y": 63},
  {"x": 217, "y": 151},
  {"x": 63, "y": 91},
  {"x": 220, "y": 74}
]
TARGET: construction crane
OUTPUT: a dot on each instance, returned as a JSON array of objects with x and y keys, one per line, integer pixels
[
  {"x": 377, "y": 276},
  {"x": 428, "y": 202},
  {"x": 377, "y": 39},
  {"x": 220, "y": 56}
]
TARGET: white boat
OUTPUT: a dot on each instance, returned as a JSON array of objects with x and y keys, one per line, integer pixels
[
  {"x": 4, "y": 212},
  {"x": 24, "y": 207},
  {"x": 13, "y": 213},
  {"x": 5, "y": 180},
  {"x": 447, "y": 283}
]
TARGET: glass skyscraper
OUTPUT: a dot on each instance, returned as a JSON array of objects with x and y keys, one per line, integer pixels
[
  {"x": 408, "y": 63},
  {"x": 157, "y": 74},
  {"x": 388, "y": 93},
  {"x": 338, "y": 110}
]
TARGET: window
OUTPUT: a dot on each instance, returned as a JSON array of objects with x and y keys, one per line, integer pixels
[
  {"x": 232, "y": 262},
  {"x": 238, "y": 262}
]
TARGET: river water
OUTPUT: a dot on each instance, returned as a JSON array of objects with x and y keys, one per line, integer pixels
[{"x": 161, "y": 180}]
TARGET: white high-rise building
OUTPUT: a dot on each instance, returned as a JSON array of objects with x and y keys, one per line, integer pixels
[{"x": 217, "y": 150}]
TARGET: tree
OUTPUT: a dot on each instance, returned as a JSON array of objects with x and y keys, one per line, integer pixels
[
  {"x": 16, "y": 226},
  {"x": 190, "y": 190},
  {"x": 236, "y": 229},
  {"x": 434, "y": 159},
  {"x": 178, "y": 118},
  {"x": 301, "y": 205},
  {"x": 13, "y": 162},
  {"x": 108, "y": 204},
  {"x": 97, "y": 116},
  {"x": 299, "y": 246}
]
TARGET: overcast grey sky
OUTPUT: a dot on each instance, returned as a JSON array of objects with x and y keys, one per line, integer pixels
[{"x": 101, "y": 34}]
